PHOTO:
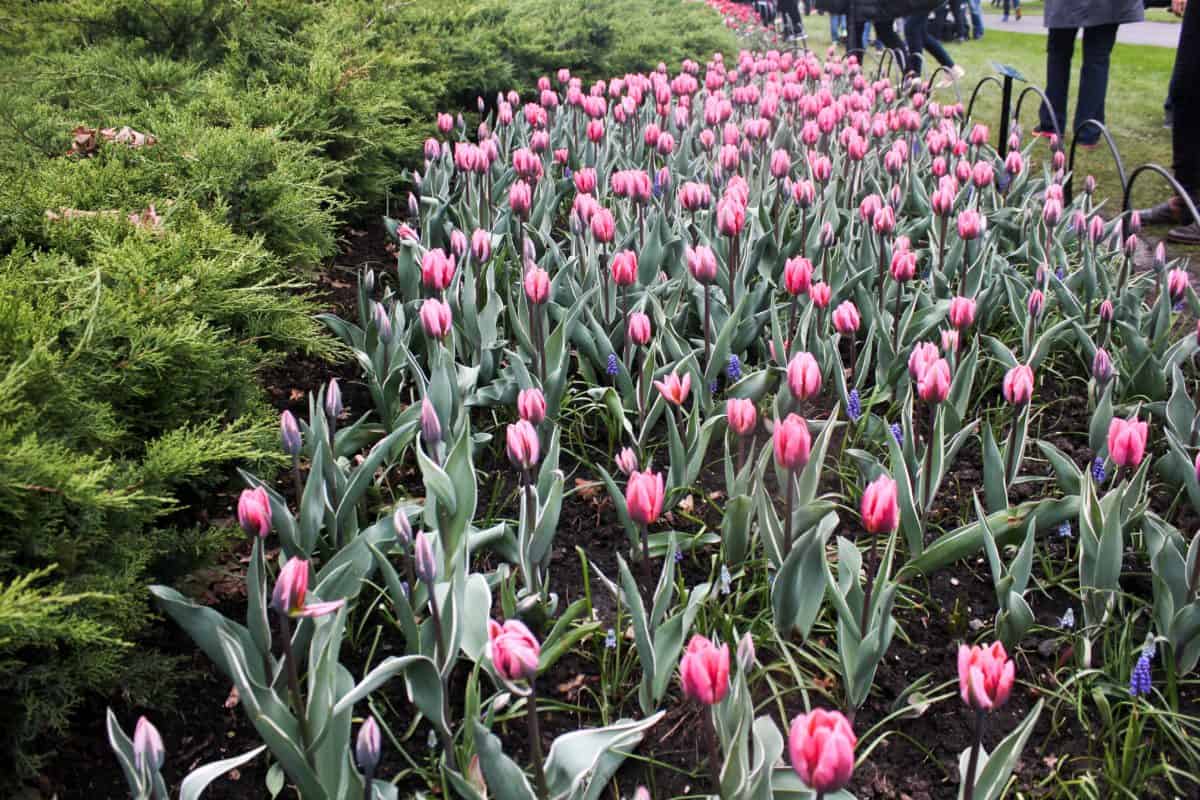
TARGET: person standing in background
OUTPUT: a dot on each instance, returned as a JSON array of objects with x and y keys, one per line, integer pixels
[
  {"x": 1016, "y": 6},
  {"x": 918, "y": 37},
  {"x": 1099, "y": 20},
  {"x": 790, "y": 11}
]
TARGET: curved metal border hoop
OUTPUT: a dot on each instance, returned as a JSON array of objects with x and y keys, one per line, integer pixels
[
  {"x": 933, "y": 78},
  {"x": 1045, "y": 103},
  {"x": 890, "y": 58},
  {"x": 1179, "y": 190},
  {"x": 978, "y": 86},
  {"x": 1112, "y": 147}
]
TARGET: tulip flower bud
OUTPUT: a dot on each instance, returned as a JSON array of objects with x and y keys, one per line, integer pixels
[
  {"x": 254, "y": 511},
  {"x": 702, "y": 263},
  {"x": 403, "y": 526},
  {"x": 639, "y": 328},
  {"x": 333, "y": 401},
  {"x": 368, "y": 746},
  {"x": 742, "y": 415},
  {"x": 1037, "y": 301},
  {"x": 289, "y": 434},
  {"x": 148, "y": 750},
  {"x": 383, "y": 323},
  {"x": 1177, "y": 284},
  {"x": 537, "y": 286},
  {"x": 290, "y": 596},
  {"x": 481, "y": 245},
  {"x": 627, "y": 461},
  {"x": 962, "y": 312},
  {"x": 531, "y": 405},
  {"x": 985, "y": 676},
  {"x": 513, "y": 650},
  {"x": 797, "y": 275},
  {"x": 520, "y": 198},
  {"x": 1102, "y": 368},
  {"x": 879, "y": 508},
  {"x": 971, "y": 224},
  {"x": 1106, "y": 311},
  {"x": 704, "y": 671},
  {"x": 424, "y": 563},
  {"x": 950, "y": 341},
  {"x": 431, "y": 426},
  {"x": 821, "y": 746},
  {"x": 746, "y": 654},
  {"x": 827, "y": 236},
  {"x": 523, "y": 444},
  {"x": 820, "y": 293},
  {"x": 435, "y": 318},
  {"x": 1127, "y": 441},
  {"x": 1017, "y": 386},
  {"x": 846, "y": 318},
  {"x": 934, "y": 384},
  {"x": 792, "y": 442},
  {"x": 804, "y": 375},
  {"x": 644, "y": 494}
]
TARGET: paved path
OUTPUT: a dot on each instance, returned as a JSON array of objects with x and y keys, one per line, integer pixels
[{"x": 1158, "y": 34}]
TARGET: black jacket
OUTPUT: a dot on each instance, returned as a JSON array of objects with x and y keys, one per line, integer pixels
[{"x": 878, "y": 9}]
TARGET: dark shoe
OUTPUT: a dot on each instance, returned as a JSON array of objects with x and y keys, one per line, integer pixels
[
  {"x": 1172, "y": 212},
  {"x": 1088, "y": 145},
  {"x": 1186, "y": 234}
]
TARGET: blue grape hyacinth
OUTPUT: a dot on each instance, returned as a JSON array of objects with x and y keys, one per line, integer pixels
[
  {"x": 734, "y": 370},
  {"x": 853, "y": 406},
  {"x": 1098, "y": 473},
  {"x": 897, "y": 433},
  {"x": 614, "y": 366},
  {"x": 1140, "y": 681}
]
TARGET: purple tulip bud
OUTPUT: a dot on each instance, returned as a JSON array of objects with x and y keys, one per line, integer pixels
[
  {"x": 1131, "y": 244},
  {"x": 403, "y": 527},
  {"x": 289, "y": 434},
  {"x": 431, "y": 426},
  {"x": 414, "y": 208},
  {"x": 1089, "y": 184},
  {"x": 383, "y": 323},
  {"x": 333, "y": 402},
  {"x": 368, "y": 746},
  {"x": 1106, "y": 311},
  {"x": 425, "y": 565},
  {"x": 148, "y": 749},
  {"x": 479, "y": 104},
  {"x": 1135, "y": 222},
  {"x": 827, "y": 237},
  {"x": 1102, "y": 368},
  {"x": 417, "y": 182}
]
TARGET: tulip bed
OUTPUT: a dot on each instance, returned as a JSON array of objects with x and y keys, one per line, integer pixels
[{"x": 756, "y": 429}]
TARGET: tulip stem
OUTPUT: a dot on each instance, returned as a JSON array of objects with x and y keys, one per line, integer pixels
[
  {"x": 973, "y": 763},
  {"x": 299, "y": 484},
  {"x": 710, "y": 742},
  {"x": 707, "y": 323},
  {"x": 535, "y": 742},
  {"x": 787, "y": 523},
  {"x": 647, "y": 578},
  {"x": 733, "y": 267},
  {"x": 942, "y": 243},
  {"x": 928, "y": 470},
  {"x": 896, "y": 316},
  {"x": 368, "y": 778},
  {"x": 293, "y": 673},
  {"x": 1011, "y": 465},
  {"x": 436, "y": 618},
  {"x": 872, "y": 566}
]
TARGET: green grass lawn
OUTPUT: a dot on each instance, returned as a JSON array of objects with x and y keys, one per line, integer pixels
[
  {"x": 1137, "y": 87},
  {"x": 1037, "y": 7}
]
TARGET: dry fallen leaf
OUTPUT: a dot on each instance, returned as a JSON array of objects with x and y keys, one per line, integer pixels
[
  {"x": 687, "y": 504},
  {"x": 233, "y": 699},
  {"x": 572, "y": 685},
  {"x": 296, "y": 395}
]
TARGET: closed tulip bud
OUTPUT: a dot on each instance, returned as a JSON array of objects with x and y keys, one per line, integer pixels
[
  {"x": 481, "y": 245},
  {"x": 879, "y": 509},
  {"x": 524, "y": 448},
  {"x": 869, "y": 207},
  {"x": 950, "y": 341},
  {"x": 827, "y": 237},
  {"x": 627, "y": 461},
  {"x": 254, "y": 511},
  {"x": 1052, "y": 212},
  {"x": 414, "y": 208},
  {"x": 797, "y": 275},
  {"x": 695, "y": 196},
  {"x": 403, "y": 526},
  {"x": 731, "y": 217},
  {"x": 792, "y": 442},
  {"x": 531, "y": 405},
  {"x": 704, "y": 671},
  {"x": 585, "y": 180},
  {"x": 436, "y": 318},
  {"x": 383, "y": 323},
  {"x": 846, "y": 318},
  {"x": 1014, "y": 163},
  {"x": 520, "y": 198},
  {"x": 1017, "y": 386},
  {"x": 1197, "y": 467},
  {"x": 979, "y": 135},
  {"x": 934, "y": 383},
  {"x": 289, "y": 434},
  {"x": 602, "y": 226},
  {"x": 821, "y": 746},
  {"x": 820, "y": 293},
  {"x": 1127, "y": 441},
  {"x": 513, "y": 650},
  {"x": 530, "y": 253},
  {"x": 884, "y": 221},
  {"x": 1037, "y": 301},
  {"x": 804, "y": 194},
  {"x": 424, "y": 562},
  {"x": 742, "y": 415},
  {"x": 1135, "y": 222},
  {"x": 639, "y": 328},
  {"x": 702, "y": 263},
  {"x": 644, "y": 493},
  {"x": 1089, "y": 184},
  {"x": 431, "y": 426},
  {"x": 746, "y": 654},
  {"x": 985, "y": 676},
  {"x": 1102, "y": 368},
  {"x": 804, "y": 376},
  {"x": 971, "y": 224},
  {"x": 1095, "y": 229},
  {"x": 982, "y": 174},
  {"x": 290, "y": 596},
  {"x": 1160, "y": 257},
  {"x": 904, "y": 265},
  {"x": 1106, "y": 311},
  {"x": 537, "y": 285},
  {"x": 624, "y": 268},
  {"x": 1058, "y": 160},
  {"x": 674, "y": 390},
  {"x": 148, "y": 750},
  {"x": 333, "y": 401},
  {"x": 781, "y": 164},
  {"x": 458, "y": 243},
  {"x": 923, "y": 354},
  {"x": 1177, "y": 284},
  {"x": 368, "y": 746}
]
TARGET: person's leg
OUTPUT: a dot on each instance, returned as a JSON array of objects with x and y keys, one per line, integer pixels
[
  {"x": 960, "y": 24},
  {"x": 1098, "y": 43},
  {"x": 976, "y": 19},
  {"x": 885, "y": 31},
  {"x": 790, "y": 11},
  {"x": 1060, "y": 44},
  {"x": 939, "y": 52},
  {"x": 914, "y": 37},
  {"x": 1185, "y": 94},
  {"x": 1005, "y": 17}
]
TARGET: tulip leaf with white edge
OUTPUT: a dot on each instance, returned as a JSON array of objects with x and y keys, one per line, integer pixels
[
  {"x": 581, "y": 763},
  {"x": 505, "y": 780},
  {"x": 1069, "y": 476},
  {"x": 143, "y": 783},
  {"x": 402, "y": 611},
  {"x": 912, "y": 522},
  {"x": 313, "y": 504},
  {"x": 363, "y": 475},
  {"x": 1176, "y": 606},
  {"x": 1101, "y": 419},
  {"x": 799, "y": 588},
  {"x": 995, "y": 485},
  {"x": 1013, "y": 617},
  {"x": 618, "y": 498},
  {"x": 994, "y": 769},
  {"x": 736, "y": 530}
]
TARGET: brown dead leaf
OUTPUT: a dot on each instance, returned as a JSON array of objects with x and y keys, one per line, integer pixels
[
  {"x": 573, "y": 685},
  {"x": 233, "y": 699},
  {"x": 296, "y": 395},
  {"x": 687, "y": 504},
  {"x": 588, "y": 490}
]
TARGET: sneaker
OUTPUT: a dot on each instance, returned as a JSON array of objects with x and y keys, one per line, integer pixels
[
  {"x": 1172, "y": 212},
  {"x": 1186, "y": 234},
  {"x": 1004, "y": 18},
  {"x": 956, "y": 74}
]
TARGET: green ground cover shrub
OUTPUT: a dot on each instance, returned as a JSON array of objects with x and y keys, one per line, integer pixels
[{"x": 129, "y": 353}]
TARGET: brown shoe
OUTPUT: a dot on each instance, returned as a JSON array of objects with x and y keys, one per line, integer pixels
[
  {"x": 1185, "y": 234},
  {"x": 1172, "y": 212}
]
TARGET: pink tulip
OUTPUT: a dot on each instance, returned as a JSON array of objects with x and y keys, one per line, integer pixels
[
  {"x": 435, "y": 318},
  {"x": 804, "y": 194},
  {"x": 821, "y": 746},
  {"x": 781, "y": 164},
  {"x": 731, "y": 216},
  {"x": 433, "y": 149},
  {"x": 602, "y": 225},
  {"x": 950, "y": 341},
  {"x": 523, "y": 444},
  {"x": 644, "y": 496},
  {"x": 904, "y": 265},
  {"x": 880, "y": 512},
  {"x": 962, "y": 312},
  {"x": 793, "y": 442},
  {"x": 1177, "y": 284},
  {"x": 291, "y": 592},
  {"x": 531, "y": 405},
  {"x": 674, "y": 390},
  {"x": 846, "y": 318},
  {"x": 979, "y": 135},
  {"x": 458, "y": 243},
  {"x": 985, "y": 676},
  {"x": 1018, "y": 385},
  {"x": 982, "y": 174},
  {"x": 1036, "y": 302},
  {"x": 971, "y": 224},
  {"x": 431, "y": 426},
  {"x": 627, "y": 461},
  {"x": 148, "y": 750},
  {"x": 289, "y": 434},
  {"x": 1106, "y": 311},
  {"x": 254, "y": 511},
  {"x": 513, "y": 650},
  {"x": 1127, "y": 441},
  {"x": 704, "y": 671},
  {"x": 923, "y": 354},
  {"x": 702, "y": 263},
  {"x": 742, "y": 415},
  {"x": 639, "y": 328},
  {"x": 585, "y": 180},
  {"x": 445, "y": 123},
  {"x": 820, "y": 293},
  {"x": 695, "y": 196},
  {"x": 520, "y": 198},
  {"x": 804, "y": 376},
  {"x": 1102, "y": 368},
  {"x": 437, "y": 269},
  {"x": 934, "y": 384},
  {"x": 537, "y": 285},
  {"x": 797, "y": 275},
  {"x": 481, "y": 245}
]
